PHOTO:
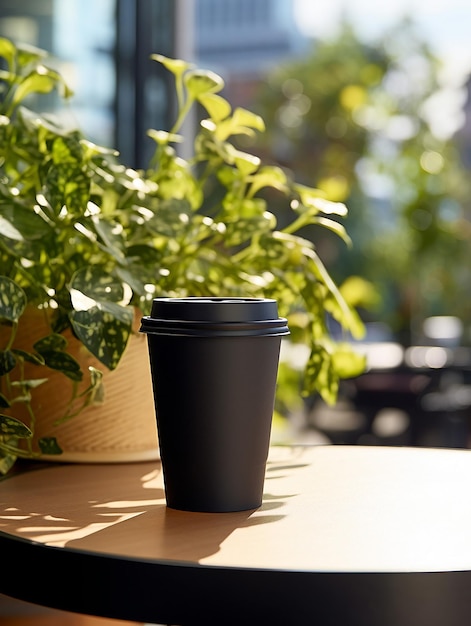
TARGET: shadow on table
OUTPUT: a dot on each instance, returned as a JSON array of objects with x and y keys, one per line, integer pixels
[{"x": 122, "y": 510}]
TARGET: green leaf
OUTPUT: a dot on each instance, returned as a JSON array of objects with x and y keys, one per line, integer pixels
[
  {"x": 228, "y": 128},
  {"x": 67, "y": 179},
  {"x": 42, "y": 80},
  {"x": 35, "y": 359},
  {"x": 335, "y": 227},
  {"x": 199, "y": 82},
  {"x": 217, "y": 106},
  {"x": 66, "y": 151},
  {"x": 248, "y": 224},
  {"x": 19, "y": 223},
  {"x": 4, "y": 402},
  {"x": 243, "y": 117},
  {"x": 63, "y": 362},
  {"x": 49, "y": 445},
  {"x": 97, "y": 284},
  {"x": 176, "y": 66},
  {"x": 52, "y": 350},
  {"x": 51, "y": 342},
  {"x": 242, "y": 122},
  {"x": 96, "y": 391},
  {"x": 162, "y": 137},
  {"x": 7, "y": 362},
  {"x": 347, "y": 362},
  {"x": 269, "y": 176},
  {"x": 92, "y": 149},
  {"x": 111, "y": 237},
  {"x": 12, "y": 300},
  {"x": 320, "y": 375},
  {"x": 31, "y": 383},
  {"x": 347, "y": 317},
  {"x": 246, "y": 163},
  {"x": 7, "y": 461},
  {"x": 315, "y": 200},
  {"x": 313, "y": 368},
  {"x": 27, "y": 54},
  {"x": 7, "y": 51},
  {"x": 11, "y": 427},
  {"x": 104, "y": 331},
  {"x": 359, "y": 292},
  {"x": 9, "y": 231}
]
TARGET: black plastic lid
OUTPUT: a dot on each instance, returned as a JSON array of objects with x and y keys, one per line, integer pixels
[
  {"x": 216, "y": 310},
  {"x": 214, "y": 317}
]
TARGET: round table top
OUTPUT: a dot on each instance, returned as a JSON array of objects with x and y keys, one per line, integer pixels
[{"x": 383, "y": 527}]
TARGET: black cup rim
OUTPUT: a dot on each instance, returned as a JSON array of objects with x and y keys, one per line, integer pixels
[{"x": 278, "y": 327}]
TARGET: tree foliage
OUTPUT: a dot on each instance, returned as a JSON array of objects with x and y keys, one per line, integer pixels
[{"x": 365, "y": 123}]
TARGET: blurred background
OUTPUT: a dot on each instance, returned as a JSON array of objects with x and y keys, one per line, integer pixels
[{"x": 368, "y": 102}]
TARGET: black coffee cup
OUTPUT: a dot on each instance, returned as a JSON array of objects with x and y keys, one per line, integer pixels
[{"x": 214, "y": 364}]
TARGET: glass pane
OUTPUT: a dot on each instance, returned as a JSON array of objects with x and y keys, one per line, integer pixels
[{"x": 79, "y": 35}]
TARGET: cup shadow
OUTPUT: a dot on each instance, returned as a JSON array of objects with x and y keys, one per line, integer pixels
[{"x": 121, "y": 509}]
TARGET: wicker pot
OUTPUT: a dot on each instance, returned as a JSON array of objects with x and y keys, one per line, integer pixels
[{"x": 121, "y": 429}]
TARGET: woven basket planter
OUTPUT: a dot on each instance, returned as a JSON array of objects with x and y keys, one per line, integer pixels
[{"x": 121, "y": 429}]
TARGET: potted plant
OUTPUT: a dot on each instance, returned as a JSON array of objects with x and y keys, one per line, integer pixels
[{"x": 86, "y": 243}]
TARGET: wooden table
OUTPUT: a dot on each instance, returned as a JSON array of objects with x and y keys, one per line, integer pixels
[{"x": 346, "y": 535}]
